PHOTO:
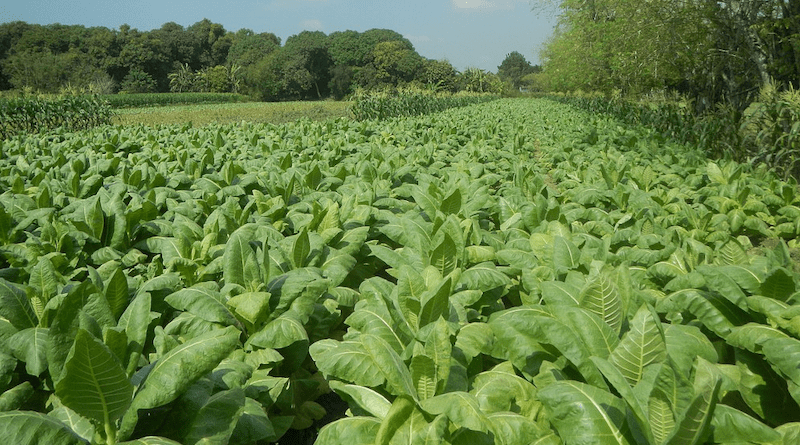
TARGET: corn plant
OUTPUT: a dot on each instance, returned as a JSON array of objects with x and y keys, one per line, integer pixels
[{"x": 31, "y": 115}]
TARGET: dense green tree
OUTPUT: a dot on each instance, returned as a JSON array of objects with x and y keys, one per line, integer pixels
[
  {"x": 305, "y": 65},
  {"x": 513, "y": 68},
  {"x": 341, "y": 83},
  {"x": 348, "y": 48},
  {"x": 178, "y": 45},
  {"x": 396, "y": 62},
  {"x": 213, "y": 40},
  {"x": 248, "y": 47},
  {"x": 440, "y": 75},
  {"x": 713, "y": 51},
  {"x": 479, "y": 81},
  {"x": 138, "y": 81}
]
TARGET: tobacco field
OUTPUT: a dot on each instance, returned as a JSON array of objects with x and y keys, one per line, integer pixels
[{"x": 511, "y": 272}]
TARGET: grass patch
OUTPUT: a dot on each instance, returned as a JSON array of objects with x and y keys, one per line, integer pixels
[{"x": 266, "y": 112}]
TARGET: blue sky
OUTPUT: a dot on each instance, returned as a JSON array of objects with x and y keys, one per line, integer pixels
[{"x": 468, "y": 33}]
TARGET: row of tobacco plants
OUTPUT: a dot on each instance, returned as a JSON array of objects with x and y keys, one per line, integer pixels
[{"x": 513, "y": 272}]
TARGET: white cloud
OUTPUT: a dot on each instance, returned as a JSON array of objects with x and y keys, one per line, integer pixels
[{"x": 311, "y": 25}]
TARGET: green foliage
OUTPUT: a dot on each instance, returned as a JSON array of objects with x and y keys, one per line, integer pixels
[
  {"x": 168, "y": 99},
  {"x": 31, "y": 115},
  {"x": 404, "y": 102},
  {"x": 138, "y": 81},
  {"x": 514, "y": 68}
]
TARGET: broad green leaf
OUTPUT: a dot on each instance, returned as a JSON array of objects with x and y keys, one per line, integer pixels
[
  {"x": 63, "y": 329},
  {"x": 367, "y": 400},
  {"x": 347, "y": 360},
  {"x": 136, "y": 320},
  {"x": 779, "y": 285},
  {"x": 30, "y": 428},
  {"x": 94, "y": 384},
  {"x": 523, "y": 330},
  {"x": 584, "y": 414},
  {"x": 784, "y": 354},
  {"x": 170, "y": 248},
  {"x": 254, "y": 425},
  {"x": 661, "y": 417},
  {"x": 752, "y": 335},
  {"x": 622, "y": 386},
  {"x": 216, "y": 420},
  {"x": 15, "y": 306},
  {"x": 474, "y": 339},
  {"x": 484, "y": 277},
  {"x": 599, "y": 338},
  {"x": 693, "y": 424},
  {"x": 600, "y": 297},
  {"x": 437, "y": 304},
  {"x": 566, "y": 256},
  {"x": 410, "y": 290},
  {"x": 173, "y": 373},
  {"x": 44, "y": 278},
  {"x": 732, "y": 253},
  {"x": 204, "y": 302},
  {"x": 500, "y": 389},
  {"x": 512, "y": 429},
  {"x": 117, "y": 292},
  {"x": 790, "y": 432},
  {"x": 239, "y": 259},
  {"x": 716, "y": 313},
  {"x": 349, "y": 431},
  {"x": 424, "y": 376},
  {"x": 398, "y": 378},
  {"x": 642, "y": 345},
  {"x": 721, "y": 281},
  {"x": 373, "y": 317},
  {"x": 78, "y": 424},
  {"x": 14, "y": 398},
  {"x": 729, "y": 425},
  {"x": 253, "y": 307},
  {"x": 283, "y": 332},
  {"x": 685, "y": 343},
  {"x": 559, "y": 292},
  {"x": 443, "y": 256},
  {"x": 30, "y": 346},
  {"x": 439, "y": 347},
  {"x": 400, "y": 411},
  {"x": 461, "y": 408},
  {"x": 452, "y": 203},
  {"x": 301, "y": 249},
  {"x": 764, "y": 391}
]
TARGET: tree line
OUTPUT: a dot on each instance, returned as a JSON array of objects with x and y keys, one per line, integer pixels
[
  {"x": 206, "y": 57},
  {"x": 715, "y": 52}
]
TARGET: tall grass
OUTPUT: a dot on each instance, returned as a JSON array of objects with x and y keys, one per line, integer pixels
[{"x": 32, "y": 114}]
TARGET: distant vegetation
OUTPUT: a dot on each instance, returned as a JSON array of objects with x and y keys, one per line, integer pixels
[{"x": 207, "y": 58}]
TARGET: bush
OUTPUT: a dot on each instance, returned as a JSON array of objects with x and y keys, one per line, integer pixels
[{"x": 770, "y": 130}]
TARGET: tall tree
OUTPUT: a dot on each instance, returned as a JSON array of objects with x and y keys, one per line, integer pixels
[
  {"x": 305, "y": 65},
  {"x": 513, "y": 68}
]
